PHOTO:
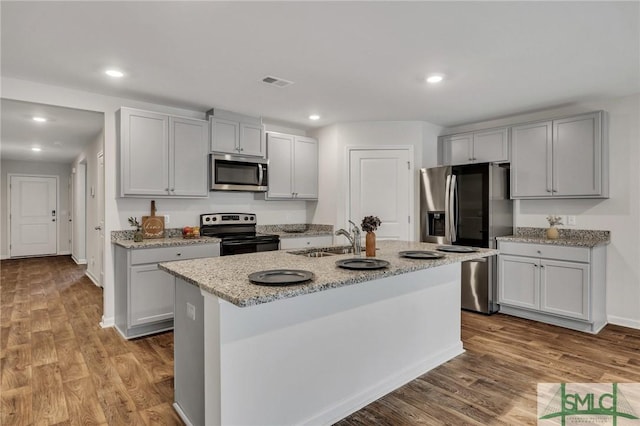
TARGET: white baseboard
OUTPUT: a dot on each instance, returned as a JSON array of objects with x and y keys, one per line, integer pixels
[
  {"x": 4, "y": 256},
  {"x": 92, "y": 278},
  {"x": 624, "y": 322},
  {"x": 79, "y": 261},
  {"x": 107, "y": 322},
  {"x": 64, "y": 253}
]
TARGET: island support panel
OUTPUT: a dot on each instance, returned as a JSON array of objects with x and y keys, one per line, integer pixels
[{"x": 317, "y": 358}]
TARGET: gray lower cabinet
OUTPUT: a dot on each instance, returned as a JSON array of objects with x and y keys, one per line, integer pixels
[
  {"x": 559, "y": 285},
  {"x": 144, "y": 294},
  {"x": 562, "y": 158},
  {"x": 305, "y": 242}
]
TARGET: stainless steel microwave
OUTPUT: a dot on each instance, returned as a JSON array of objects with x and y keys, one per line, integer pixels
[{"x": 233, "y": 173}]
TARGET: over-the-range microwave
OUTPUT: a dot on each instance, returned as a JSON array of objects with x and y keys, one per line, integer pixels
[{"x": 233, "y": 173}]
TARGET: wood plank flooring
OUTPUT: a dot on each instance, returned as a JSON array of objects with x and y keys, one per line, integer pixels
[{"x": 58, "y": 367}]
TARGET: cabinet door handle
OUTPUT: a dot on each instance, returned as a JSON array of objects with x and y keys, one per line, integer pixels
[
  {"x": 178, "y": 254},
  {"x": 542, "y": 266},
  {"x": 538, "y": 251}
]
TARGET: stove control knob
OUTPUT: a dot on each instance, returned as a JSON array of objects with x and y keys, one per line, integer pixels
[
  {"x": 207, "y": 219},
  {"x": 214, "y": 219},
  {"x": 246, "y": 218}
]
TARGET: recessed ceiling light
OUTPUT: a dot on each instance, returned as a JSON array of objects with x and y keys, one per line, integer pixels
[
  {"x": 114, "y": 73},
  {"x": 36, "y": 149},
  {"x": 39, "y": 119},
  {"x": 314, "y": 117},
  {"x": 436, "y": 78}
]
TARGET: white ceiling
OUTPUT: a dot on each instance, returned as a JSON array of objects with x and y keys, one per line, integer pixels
[
  {"x": 62, "y": 137},
  {"x": 350, "y": 61}
]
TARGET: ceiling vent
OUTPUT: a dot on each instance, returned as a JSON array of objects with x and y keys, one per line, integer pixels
[{"x": 276, "y": 81}]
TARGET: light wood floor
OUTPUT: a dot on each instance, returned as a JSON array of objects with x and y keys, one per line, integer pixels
[{"x": 59, "y": 367}]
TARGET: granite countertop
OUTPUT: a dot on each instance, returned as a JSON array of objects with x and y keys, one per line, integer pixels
[
  {"x": 227, "y": 277},
  {"x": 296, "y": 230},
  {"x": 567, "y": 237},
  {"x": 163, "y": 242}
]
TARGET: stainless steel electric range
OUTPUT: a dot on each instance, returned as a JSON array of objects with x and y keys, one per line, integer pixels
[{"x": 238, "y": 233}]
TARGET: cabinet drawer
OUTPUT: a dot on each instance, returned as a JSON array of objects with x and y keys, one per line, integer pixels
[
  {"x": 573, "y": 254},
  {"x": 301, "y": 242},
  {"x": 165, "y": 254}
]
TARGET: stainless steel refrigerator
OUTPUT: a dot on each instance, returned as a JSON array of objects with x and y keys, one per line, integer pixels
[{"x": 468, "y": 205}]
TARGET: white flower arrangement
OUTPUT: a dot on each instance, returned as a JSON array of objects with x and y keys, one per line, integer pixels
[{"x": 554, "y": 220}]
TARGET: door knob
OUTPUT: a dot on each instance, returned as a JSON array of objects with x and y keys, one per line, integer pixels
[{"x": 98, "y": 228}]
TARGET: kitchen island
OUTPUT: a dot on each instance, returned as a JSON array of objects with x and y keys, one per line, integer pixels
[{"x": 311, "y": 353}]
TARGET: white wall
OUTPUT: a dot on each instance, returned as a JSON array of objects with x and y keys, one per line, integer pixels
[
  {"x": 333, "y": 142},
  {"x": 92, "y": 249},
  {"x": 117, "y": 210},
  {"x": 63, "y": 172},
  {"x": 620, "y": 213}
]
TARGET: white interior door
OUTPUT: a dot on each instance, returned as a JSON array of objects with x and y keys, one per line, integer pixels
[
  {"x": 34, "y": 216},
  {"x": 379, "y": 185},
  {"x": 100, "y": 208}
]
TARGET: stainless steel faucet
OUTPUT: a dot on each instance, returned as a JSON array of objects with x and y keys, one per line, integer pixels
[{"x": 354, "y": 239}]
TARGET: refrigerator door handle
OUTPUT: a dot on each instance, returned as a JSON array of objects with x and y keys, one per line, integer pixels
[
  {"x": 447, "y": 213},
  {"x": 452, "y": 207}
]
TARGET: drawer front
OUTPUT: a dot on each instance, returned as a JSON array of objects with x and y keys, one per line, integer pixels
[
  {"x": 301, "y": 242},
  {"x": 165, "y": 254},
  {"x": 572, "y": 254}
]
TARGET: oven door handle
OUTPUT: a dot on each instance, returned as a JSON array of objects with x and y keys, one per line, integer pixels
[{"x": 241, "y": 243}]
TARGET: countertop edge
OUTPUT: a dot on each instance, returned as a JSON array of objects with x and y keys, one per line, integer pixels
[
  {"x": 287, "y": 292},
  {"x": 164, "y": 242},
  {"x": 589, "y": 243}
]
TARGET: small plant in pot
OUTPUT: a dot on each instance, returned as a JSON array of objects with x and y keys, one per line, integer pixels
[
  {"x": 137, "y": 234},
  {"x": 552, "y": 231},
  {"x": 369, "y": 225}
]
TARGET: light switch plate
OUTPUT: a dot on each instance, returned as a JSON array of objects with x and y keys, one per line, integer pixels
[
  {"x": 166, "y": 219},
  {"x": 571, "y": 220}
]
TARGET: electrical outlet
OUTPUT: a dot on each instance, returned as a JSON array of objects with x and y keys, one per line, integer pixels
[
  {"x": 166, "y": 219},
  {"x": 571, "y": 220},
  {"x": 191, "y": 311}
]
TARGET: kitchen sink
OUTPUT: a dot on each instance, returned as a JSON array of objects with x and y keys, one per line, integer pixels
[{"x": 323, "y": 251}]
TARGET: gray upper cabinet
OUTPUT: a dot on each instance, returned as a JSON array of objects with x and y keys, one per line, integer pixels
[
  {"x": 188, "y": 143},
  {"x": 293, "y": 167},
  {"x": 237, "y": 134},
  {"x": 144, "y": 153},
  {"x": 563, "y": 158},
  {"x": 162, "y": 155},
  {"x": 476, "y": 147}
]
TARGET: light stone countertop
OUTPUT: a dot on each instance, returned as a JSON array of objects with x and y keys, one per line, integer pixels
[
  {"x": 227, "y": 276},
  {"x": 164, "y": 242},
  {"x": 568, "y": 237}
]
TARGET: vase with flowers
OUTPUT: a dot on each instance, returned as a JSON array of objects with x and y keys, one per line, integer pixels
[
  {"x": 137, "y": 234},
  {"x": 552, "y": 231},
  {"x": 369, "y": 225}
]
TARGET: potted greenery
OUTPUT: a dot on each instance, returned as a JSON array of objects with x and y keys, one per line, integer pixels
[
  {"x": 137, "y": 234},
  {"x": 369, "y": 225}
]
